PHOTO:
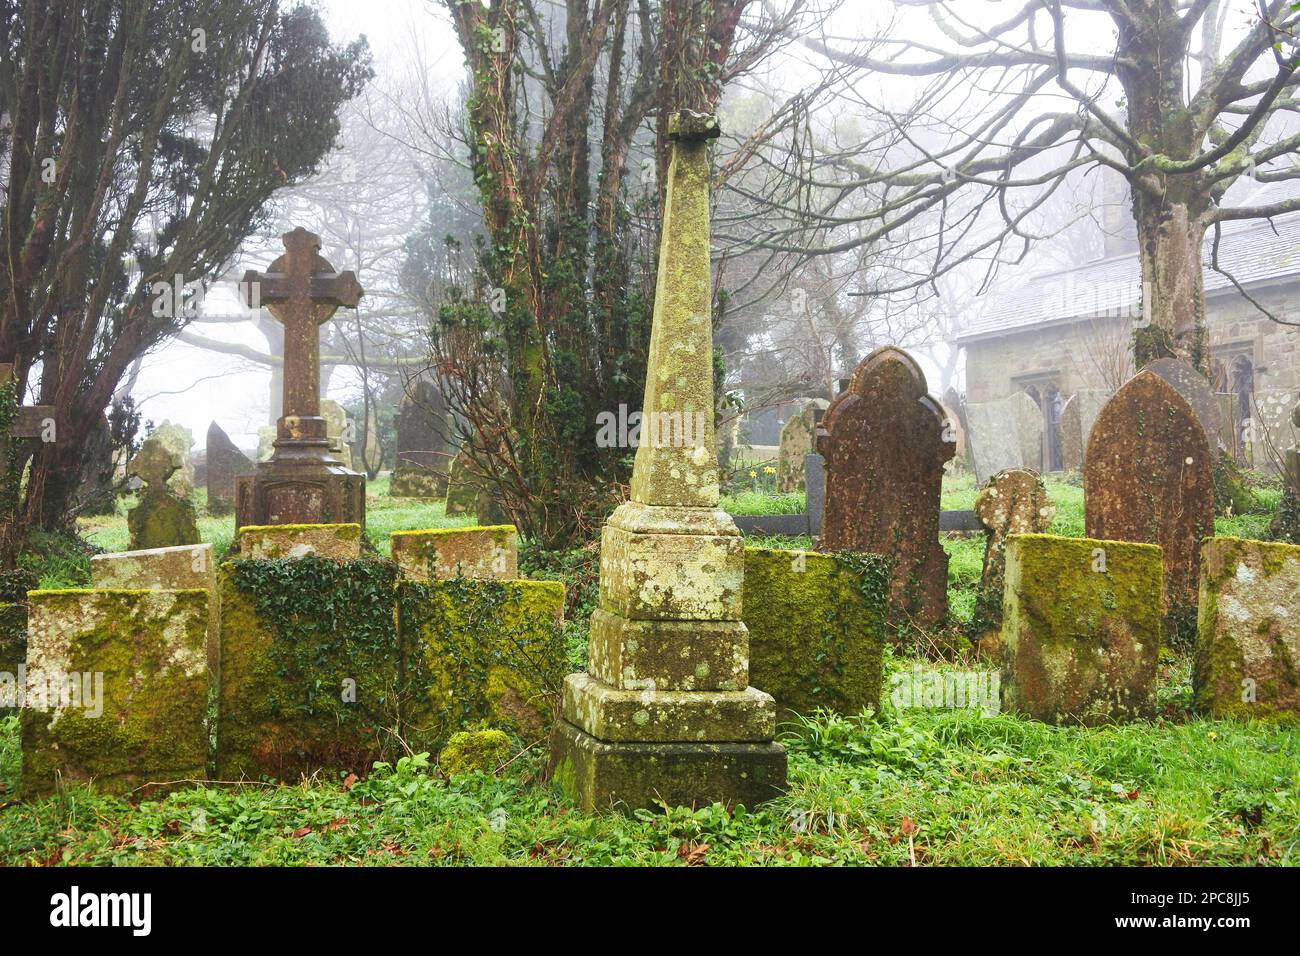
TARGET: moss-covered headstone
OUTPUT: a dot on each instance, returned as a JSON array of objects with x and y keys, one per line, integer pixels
[
  {"x": 652, "y": 720},
  {"x": 817, "y": 628},
  {"x": 1081, "y": 629},
  {"x": 480, "y": 653},
  {"x": 1248, "y": 630},
  {"x": 116, "y": 689},
  {"x": 339, "y": 542},
  {"x": 885, "y": 441},
  {"x": 1149, "y": 476},
  {"x": 161, "y": 519}
]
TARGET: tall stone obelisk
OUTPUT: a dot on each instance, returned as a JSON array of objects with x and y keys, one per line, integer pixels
[{"x": 665, "y": 710}]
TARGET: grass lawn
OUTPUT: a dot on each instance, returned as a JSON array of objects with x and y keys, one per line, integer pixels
[{"x": 907, "y": 787}]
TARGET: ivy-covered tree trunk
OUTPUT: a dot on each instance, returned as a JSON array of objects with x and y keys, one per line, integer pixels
[{"x": 562, "y": 299}]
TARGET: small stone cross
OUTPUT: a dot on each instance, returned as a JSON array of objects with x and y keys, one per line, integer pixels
[{"x": 154, "y": 463}]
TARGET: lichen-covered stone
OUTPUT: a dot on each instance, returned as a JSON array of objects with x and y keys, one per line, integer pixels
[
  {"x": 798, "y": 441},
  {"x": 1081, "y": 629},
  {"x": 481, "y": 652},
  {"x": 675, "y": 573},
  {"x": 1248, "y": 630},
  {"x": 474, "y": 751},
  {"x": 146, "y": 651},
  {"x": 817, "y": 628},
  {"x": 668, "y": 655},
  {"x": 311, "y": 675},
  {"x": 1014, "y": 501},
  {"x": 886, "y": 443},
  {"x": 410, "y": 482},
  {"x": 670, "y": 555},
  {"x": 186, "y": 567},
  {"x": 339, "y": 542},
  {"x": 462, "y": 487},
  {"x": 600, "y": 775},
  {"x": 180, "y": 441},
  {"x": 613, "y": 715},
  {"x": 481, "y": 554}
]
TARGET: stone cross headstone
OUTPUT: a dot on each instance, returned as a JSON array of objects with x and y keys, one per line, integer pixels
[
  {"x": 1014, "y": 501},
  {"x": 1149, "y": 477},
  {"x": 797, "y": 438},
  {"x": 665, "y": 710},
  {"x": 1077, "y": 418},
  {"x": 886, "y": 441},
  {"x": 225, "y": 464},
  {"x": 162, "y": 519},
  {"x": 302, "y": 482}
]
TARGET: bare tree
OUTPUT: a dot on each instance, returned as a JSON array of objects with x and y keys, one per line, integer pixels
[{"x": 1183, "y": 98}]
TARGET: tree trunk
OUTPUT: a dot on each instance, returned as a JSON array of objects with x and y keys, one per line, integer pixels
[{"x": 1173, "y": 284}]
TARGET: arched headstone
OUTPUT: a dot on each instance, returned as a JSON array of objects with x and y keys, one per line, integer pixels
[
  {"x": 1149, "y": 477},
  {"x": 885, "y": 447}
]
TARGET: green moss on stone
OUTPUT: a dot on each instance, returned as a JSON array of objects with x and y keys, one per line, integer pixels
[
  {"x": 151, "y": 648},
  {"x": 1081, "y": 628},
  {"x": 1246, "y": 665},
  {"x": 817, "y": 628},
  {"x": 481, "y": 652},
  {"x": 474, "y": 751}
]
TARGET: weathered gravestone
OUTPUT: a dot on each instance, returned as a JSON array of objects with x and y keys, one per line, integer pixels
[
  {"x": 162, "y": 519},
  {"x": 1077, "y": 418},
  {"x": 1286, "y": 523},
  {"x": 185, "y": 568},
  {"x": 653, "y": 719},
  {"x": 955, "y": 405},
  {"x": 818, "y": 624},
  {"x": 423, "y": 456},
  {"x": 1012, "y": 502},
  {"x": 336, "y": 427},
  {"x": 480, "y": 554},
  {"x": 1007, "y": 433},
  {"x": 797, "y": 440},
  {"x": 1149, "y": 476},
  {"x": 302, "y": 482},
  {"x": 338, "y": 542},
  {"x": 224, "y": 465},
  {"x": 1080, "y": 629},
  {"x": 885, "y": 447},
  {"x": 329, "y": 664},
  {"x": 116, "y": 689},
  {"x": 1248, "y": 631}
]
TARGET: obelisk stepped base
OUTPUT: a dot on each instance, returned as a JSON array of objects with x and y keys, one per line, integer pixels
[{"x": 598, "y": 775}]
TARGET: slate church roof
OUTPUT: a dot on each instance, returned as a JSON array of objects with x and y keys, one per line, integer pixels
[{"x": 1254, "y": 252}]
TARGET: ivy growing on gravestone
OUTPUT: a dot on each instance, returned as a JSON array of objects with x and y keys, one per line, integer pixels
[
  {"x": 331, "y": 621},
  {"x": 463, "y": 621}
]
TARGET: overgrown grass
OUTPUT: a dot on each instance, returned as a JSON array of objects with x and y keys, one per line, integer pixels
[{"x": 895, "y": 790}]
